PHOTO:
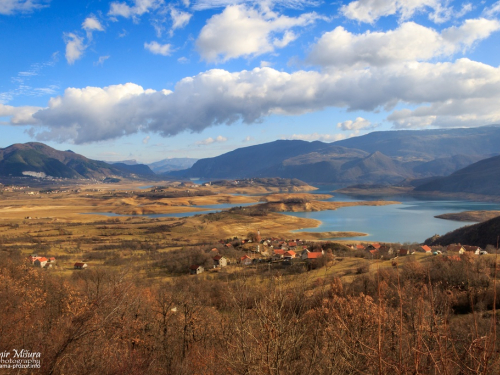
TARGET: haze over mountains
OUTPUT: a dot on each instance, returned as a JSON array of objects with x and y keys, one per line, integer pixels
[{"x": 378, "y": 157}]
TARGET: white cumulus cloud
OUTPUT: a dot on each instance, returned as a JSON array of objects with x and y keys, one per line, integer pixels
[
  {"x": 244, "y": 31},
  {"x": 210, "y": 140},
  {"x": 465, "y": 91},
  {"x": 159, "y": 49},
  {"x": 19, "y": 115},
  {"x": 358, "y": 124},
  {"x": 409, "y": 42}
]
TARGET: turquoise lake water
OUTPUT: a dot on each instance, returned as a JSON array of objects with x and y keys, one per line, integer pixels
[{"x": 411, "y": 221}]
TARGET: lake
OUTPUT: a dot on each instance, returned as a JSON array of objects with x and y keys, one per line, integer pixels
[{"x": 411, "y": 221}]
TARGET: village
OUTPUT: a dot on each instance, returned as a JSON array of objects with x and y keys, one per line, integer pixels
[{"x": 287, "y": 252}]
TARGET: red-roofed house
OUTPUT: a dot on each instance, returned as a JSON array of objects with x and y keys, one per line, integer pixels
[
  {"x": 424, "y": 249},
  {"x": 471, "y": 249},
  {"x": 305, "y": 253},
  {"x": 219, "y": 261},
  {"x": 313, "y": 256},
  {"x": 373, "y": 246},
  {"x": 196, "y": 269},
  {"x": 40, "y": 262},
  {"x": 245, "y": 260},
  {"x": 33, "y": 257},
  {"x": 279, "y": 254},
  {"x": 80, "y": 266},
  {"x": 359, "y": 247},
  {"x": 290, "y": 254}
]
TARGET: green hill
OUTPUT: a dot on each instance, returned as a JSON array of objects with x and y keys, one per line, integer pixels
[{"x": 29, "y": 158}]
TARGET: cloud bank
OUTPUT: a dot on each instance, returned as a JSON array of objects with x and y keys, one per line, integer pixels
[
  {"x": 457, "y": 93},
  {"x": 409, "y": 42}
]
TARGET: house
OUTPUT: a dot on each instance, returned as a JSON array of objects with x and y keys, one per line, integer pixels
[
  {"x": 386, "y": 250},
  {"x": 80, "y": 266},
  {"x": 196, "y": 269},
  {"x": 373, "y": 246},
  {"x": 245, "y": 260},
  {"x": 292, "y": 245},
  {"x": 305, "y": 254},
  {"x": 312, "y": 257},
  {"x": 289, "y": 255},
  {"x": 424, "y": 249},
  {"x": 403, "y": 252},
  {"x": 455, "y": 248},
  {"x": 374, "y": 253},
  {"x": 219, "y": 261},
  {"x": 33, "y": 257},
  {"x": 359, "y": 247},
  {"x": 40, "y": 262},
  {"x": 470, "y": 249},
  {"x": 279, "y": 254}
]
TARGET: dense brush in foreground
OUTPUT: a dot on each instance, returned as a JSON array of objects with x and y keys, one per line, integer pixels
[{"x": 436, "y": 318}]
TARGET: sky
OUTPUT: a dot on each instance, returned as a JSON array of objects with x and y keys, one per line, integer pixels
[{"x": 155, "y": 79}]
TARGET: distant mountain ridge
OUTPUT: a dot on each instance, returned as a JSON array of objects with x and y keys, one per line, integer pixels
[
  {"x": 482, "y": 177},
  {"x": 39, "y": 159},
  {"x": 378, "y": 157},
  {"x": 172, "y": 164}
]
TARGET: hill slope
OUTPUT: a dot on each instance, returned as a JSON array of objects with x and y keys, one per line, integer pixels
[
  {"x": 482, "y": 234},
  {"x": 250, "y": 161},
  {"x": 482, "y": 177},
  {"x": 21, "y": 159}
]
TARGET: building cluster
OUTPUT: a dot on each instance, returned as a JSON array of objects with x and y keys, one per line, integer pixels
[
  {"x": 387, "y": 251},
  {"x": 49, "y": 262},
  {"x": 270, "y": 250},
  {"x": 42, "y": 262}
]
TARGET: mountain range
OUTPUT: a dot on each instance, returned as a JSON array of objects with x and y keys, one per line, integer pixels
[
  {"x": 387, "y": 157},
  {"x": 171, "y": 164},
  {"x": 379, "y": 157}
]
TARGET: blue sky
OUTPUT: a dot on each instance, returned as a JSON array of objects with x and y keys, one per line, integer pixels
[{"x": 153, "y": 79}]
